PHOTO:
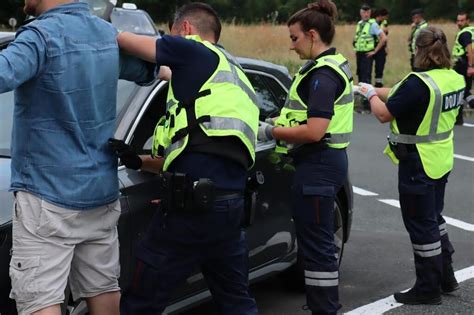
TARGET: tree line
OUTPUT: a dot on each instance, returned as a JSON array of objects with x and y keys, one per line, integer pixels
[{"x": 278, "y": 11}]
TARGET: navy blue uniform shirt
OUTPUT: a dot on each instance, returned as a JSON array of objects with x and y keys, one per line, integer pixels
[
  {"x": 319, "y": 89},
  {"x": 192, "y": 64},
  {"x": 409, "y": 104}
]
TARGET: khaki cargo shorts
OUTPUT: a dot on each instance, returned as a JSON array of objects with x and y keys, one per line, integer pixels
[{"x": 51, "y": 243}]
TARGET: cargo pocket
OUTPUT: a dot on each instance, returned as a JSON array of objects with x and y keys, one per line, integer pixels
[
  {"x": 23, "y": 276},
  {"x": 317, "y": 200}
]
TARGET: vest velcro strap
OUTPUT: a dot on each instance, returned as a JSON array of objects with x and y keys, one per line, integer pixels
[
  {"x": 337, "y": 138},
  {"x": 191, "y": 102},
  {"x": 192, "y": 124},
  {"x": 413, "y": 139}
]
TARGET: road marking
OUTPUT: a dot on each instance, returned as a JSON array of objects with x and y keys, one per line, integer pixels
[
  {"x": 388, "y": 303},
  {"x": 468, "y": 125},
  {"x": 363, "y": 192},
  {"x": 459, "y": 224},
  {"x": 463, "y": 157},
  {"x": 451, "y": 221},
  {"x": 391, "y": 202}
]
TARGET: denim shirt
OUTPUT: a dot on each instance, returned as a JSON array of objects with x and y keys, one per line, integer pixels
[{"x": 64, "y": 68}]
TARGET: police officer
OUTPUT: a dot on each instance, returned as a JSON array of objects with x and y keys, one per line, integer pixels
[
  {"x": 422, "y": 110},
  {"x": 418, "y": 23},
  {"x": 204, "y": 144},
  {"x": 367, "y": 33},
  {"x": 463, "y": 58},
  {"x": 314, "y": 128},
  {"x": 381, "y": 17}
]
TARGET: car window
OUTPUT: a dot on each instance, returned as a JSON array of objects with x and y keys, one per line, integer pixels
[
  {"x": 270, "y": 94},
  {"x": 132, "y": 21}
]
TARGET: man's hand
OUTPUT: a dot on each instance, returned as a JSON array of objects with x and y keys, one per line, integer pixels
[
  {"x": 265, "y": 131},
  {"x": 126, "y": 154},
  {"x": 366, "y": 90}
]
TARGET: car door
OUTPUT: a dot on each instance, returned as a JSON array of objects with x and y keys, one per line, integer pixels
[{"x": 271, "y": 236}]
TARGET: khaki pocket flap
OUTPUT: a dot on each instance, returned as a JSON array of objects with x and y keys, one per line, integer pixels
[{"x": 24, "y": 263}]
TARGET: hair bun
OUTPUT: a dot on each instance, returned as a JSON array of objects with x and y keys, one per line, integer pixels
[{"x": 324, "y": 6}]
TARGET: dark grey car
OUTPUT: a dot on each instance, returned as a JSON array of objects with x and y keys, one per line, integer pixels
[{"x": 271, "y": 237}]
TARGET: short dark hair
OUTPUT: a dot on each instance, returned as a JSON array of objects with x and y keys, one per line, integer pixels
[
  {"x": 319, "y": 16},
  {"x": 202, "y": 16},
  {"x": 464, "y": 13},
  {"x": 417, "y": 11},
  {"x": 365, "y": 7},
  {"x": 381, "y": 12}
]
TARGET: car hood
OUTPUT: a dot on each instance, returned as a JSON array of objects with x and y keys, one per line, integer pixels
[{"x": 6, "y": 199}]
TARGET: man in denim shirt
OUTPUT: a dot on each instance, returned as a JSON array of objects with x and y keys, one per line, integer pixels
[{"x": 64, "y": 68}]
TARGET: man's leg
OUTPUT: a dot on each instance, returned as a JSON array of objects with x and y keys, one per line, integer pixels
[
  {"x": 41, "y": 256},
  {"x": 104, "y": 304},
  {"x": 379, "y": 58},
  {"x": 95, "y": 266},
  {"x": 226, "y": 264},
  {"x": 165, "y": 258}
]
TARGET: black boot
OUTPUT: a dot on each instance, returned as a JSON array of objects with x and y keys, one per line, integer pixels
[
  {"x": 413, "y": 297},
  {"x": 448, "y": 281}
]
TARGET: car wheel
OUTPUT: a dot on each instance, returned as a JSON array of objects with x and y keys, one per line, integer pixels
[{"x": 293, "y": 277}]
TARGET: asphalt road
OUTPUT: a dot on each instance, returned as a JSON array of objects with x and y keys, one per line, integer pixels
[{"x": 378, "y": 259}]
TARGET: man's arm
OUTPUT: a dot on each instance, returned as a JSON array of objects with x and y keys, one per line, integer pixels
[
  {"x": 382, "y": 41},
  {"x": 470, "y": 60},
  {"x": 142, "y": 46},
  {"x": 22, "y": 59}
]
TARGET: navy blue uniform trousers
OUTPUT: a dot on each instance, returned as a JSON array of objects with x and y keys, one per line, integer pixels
[
  {"x": 380, "y": 58},
  {"x": 179, "y": 245},
  {"x": 422, "y": 201},
  {"x": 317, "y": 179}
]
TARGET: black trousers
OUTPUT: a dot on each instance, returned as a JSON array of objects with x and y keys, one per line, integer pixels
[
  {"x": 364, "y": 67},
  {"x": 380, "y": 58}
]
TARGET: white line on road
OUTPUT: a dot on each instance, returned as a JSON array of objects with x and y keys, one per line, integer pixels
[
  {"x": 463, "y": 157},
  {"x": 391, "y": 202},
  {"x": 454, "y": 222},
  {"x": 363, "y": 192},
  {"x": 459, "y": 224},
  {"x": 468, "y": 125},
  {"x": 388, "y": 303}
]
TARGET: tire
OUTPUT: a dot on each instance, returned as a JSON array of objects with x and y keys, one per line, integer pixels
[{"x": 293, "y": 277}]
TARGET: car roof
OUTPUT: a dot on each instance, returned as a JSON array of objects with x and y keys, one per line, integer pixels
[
  {"x": 6, "y": 37},
  {"x": 279, "y": 71}
]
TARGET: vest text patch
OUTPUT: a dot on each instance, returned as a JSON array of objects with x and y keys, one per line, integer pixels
[{"x": 453, "y": 100}]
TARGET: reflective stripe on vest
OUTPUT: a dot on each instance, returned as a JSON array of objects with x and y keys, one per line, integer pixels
[
  {"x": 226, "y": 106},
  {"x": 294, "y": 111},
  {"x": 432, "y": 136},
  {"x": 363, "y": 40}
]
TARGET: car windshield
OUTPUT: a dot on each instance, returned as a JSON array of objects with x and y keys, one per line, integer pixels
[
  {"x": 134, "y": 21},
  {"x": 124, "y": 91},
  {"x": 97, "y": 7}
]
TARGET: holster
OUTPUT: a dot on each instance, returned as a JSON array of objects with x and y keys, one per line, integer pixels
[
  {"x": 181, "y": 194},
  {"x": 399, "y": 149},
  {"x": 251, "y": 190}
]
